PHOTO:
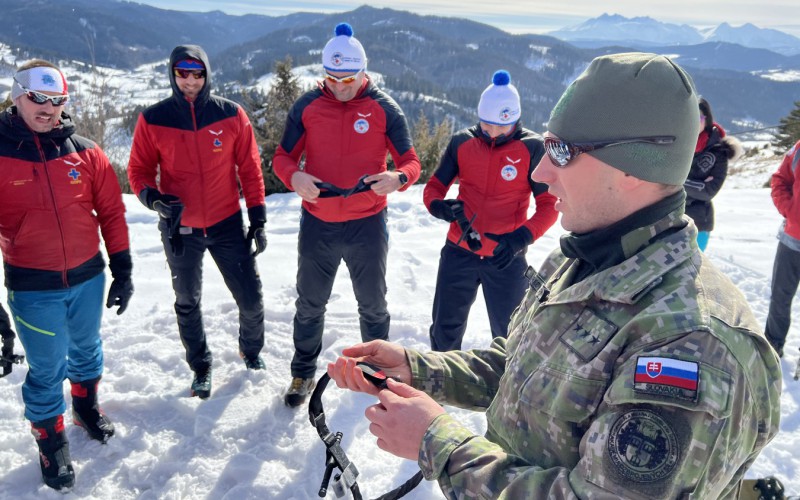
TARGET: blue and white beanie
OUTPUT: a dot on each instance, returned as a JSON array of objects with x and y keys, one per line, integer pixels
[
  {"x": 343, "y": 52},
  {"x": 499, "y": 103}
]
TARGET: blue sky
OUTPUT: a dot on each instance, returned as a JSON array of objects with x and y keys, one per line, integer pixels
[{"x": 521, "y": 16}]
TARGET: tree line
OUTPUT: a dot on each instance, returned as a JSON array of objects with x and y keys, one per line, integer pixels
[{"x": 95, "y": 109}]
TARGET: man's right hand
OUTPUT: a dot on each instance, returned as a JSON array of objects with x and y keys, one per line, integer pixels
[
  {"x": 447, "y": 210},
  {"x": 303, "y": 185},
  {"x": 167, "y": 205},
  {"x": 388, "y": 356}
]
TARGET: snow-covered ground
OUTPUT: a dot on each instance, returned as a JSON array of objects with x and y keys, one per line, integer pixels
[{"x": 243, "y": 442}]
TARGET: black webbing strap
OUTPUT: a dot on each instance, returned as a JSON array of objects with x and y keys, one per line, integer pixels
[
  {"x": 328, "y": 190},
  {"x": 335, "y": 457}
]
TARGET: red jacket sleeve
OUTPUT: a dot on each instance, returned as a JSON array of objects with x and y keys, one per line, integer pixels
[
  {"x": 782, "y": 183},
  {"x": 143, "y": 162},
  {"x": 544, "y": 216},
  {"x": 248, "y": 163},
  {"x": 108, "y": 204}
]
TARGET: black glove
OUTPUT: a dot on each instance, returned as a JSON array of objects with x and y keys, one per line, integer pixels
[
  {"x": 121, "y": 290},
  {"x": 5, "y": 324},
  {"x": 509, "y": 245},
  {"x": 258, "y": 217},
  {"x": 168, "y": 206},
  {"x": 447, "y": 210}
]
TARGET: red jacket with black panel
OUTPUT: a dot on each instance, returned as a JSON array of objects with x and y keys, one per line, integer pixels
[
  {"x": 200, "y": 151},
  {"x": 56, "y": 190},
  {"x": 495, "y": 183},
  {"x": 344, "y": 141}
]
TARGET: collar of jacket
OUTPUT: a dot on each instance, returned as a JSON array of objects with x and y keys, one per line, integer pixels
[
  {"x": 671, "y": 242},
  {"x": 14, "y": 128},
  {"x": 516, "y": 133},
  {"x": 598, "y": 250}
]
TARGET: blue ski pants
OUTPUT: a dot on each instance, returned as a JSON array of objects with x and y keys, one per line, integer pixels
[{"x": 60, "y": 331}]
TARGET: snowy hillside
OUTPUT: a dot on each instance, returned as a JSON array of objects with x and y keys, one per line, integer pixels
[{"x": 243, "y": 443}]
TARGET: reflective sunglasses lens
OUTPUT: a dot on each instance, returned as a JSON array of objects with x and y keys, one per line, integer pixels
[
  {"x": 558, "y": 151},
  {"x": 40, "y": 98},
  {"x": 185, "y": 73},
  {"x": 345, "y": 80}
]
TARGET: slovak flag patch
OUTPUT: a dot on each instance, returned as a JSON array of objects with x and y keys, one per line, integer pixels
[{"x": 668, "y": 372}]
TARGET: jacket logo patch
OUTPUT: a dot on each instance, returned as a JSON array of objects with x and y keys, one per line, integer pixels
[
  {"x": 217, "y": 142},
  {"x": 508, "y": 173},
  {"x": 74, "y": 175},
  {"x": 70, "y": 163},
  {"x": 361, "y": 126},
  {"x": 705, "y": 161},
  {"x": 643, "y": 447},
  {"x": 667, "y": 377}
]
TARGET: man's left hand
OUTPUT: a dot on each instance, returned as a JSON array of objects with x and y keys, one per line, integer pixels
[
  {"x": 258, "y": 235},
  {"x": 509, "y": 245},
  {"x": 400, "y": 419},
  {"x": 120, "y": 293},
  {"x": 384, "y": 182}
]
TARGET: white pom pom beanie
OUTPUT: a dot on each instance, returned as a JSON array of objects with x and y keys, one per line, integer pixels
[
  {"x": 499, "y": 104},
  {"x": 343, "y": 52}
]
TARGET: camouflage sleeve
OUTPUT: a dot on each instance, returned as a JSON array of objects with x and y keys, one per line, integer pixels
[
  {"x": 465, "y": 379},
  {"x": 643, "y": 442}
]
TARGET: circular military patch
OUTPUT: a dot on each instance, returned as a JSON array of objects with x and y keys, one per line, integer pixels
[{"x": 643, "y": 446}]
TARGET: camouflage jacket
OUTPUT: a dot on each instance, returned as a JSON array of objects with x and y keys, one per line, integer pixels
[{"x": 649, "y": 379}]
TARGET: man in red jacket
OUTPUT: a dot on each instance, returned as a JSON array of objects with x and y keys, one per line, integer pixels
[
  {"x": 201, "y": 147},
  {"x": 493, "y": 162},
  {"x": 786, "y": 269},
  {"x": 56, "y": 189},
  {"x": 345, "y": 126}
]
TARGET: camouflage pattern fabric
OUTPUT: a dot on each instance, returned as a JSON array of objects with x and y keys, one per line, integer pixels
[{"x": 568, "y": 417}]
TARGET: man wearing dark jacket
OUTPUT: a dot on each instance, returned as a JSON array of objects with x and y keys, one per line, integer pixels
[
  {"x": 345, "y": 127},
  {"x": 493, "y": 162},
  {"x": 56, "y": 189},
  {"x": 201, "y": 147}
]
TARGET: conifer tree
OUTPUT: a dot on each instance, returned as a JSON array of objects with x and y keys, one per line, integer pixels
[
  {"x": 430, "y": 144},
  {"x": 268, "y": 116},
  {"x": 789, "y": 130}
]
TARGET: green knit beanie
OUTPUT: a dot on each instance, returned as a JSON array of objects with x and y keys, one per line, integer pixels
[{"x": 630, "y": 95}]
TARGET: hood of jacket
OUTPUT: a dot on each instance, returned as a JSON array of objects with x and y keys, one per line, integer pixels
[{"x": 180, "y": 53}]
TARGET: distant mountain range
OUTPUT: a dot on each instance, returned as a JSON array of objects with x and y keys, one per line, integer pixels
[
  {"x": 434, "y": 64},
  {"x": 639, "y": 31}
]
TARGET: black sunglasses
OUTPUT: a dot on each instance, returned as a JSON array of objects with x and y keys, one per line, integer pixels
[{"x": 562, "y": 152}]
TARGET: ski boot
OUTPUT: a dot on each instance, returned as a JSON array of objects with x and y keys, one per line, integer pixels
[
  {"x": 86, "y": 411},
  {"x": 54, "y": 460}
]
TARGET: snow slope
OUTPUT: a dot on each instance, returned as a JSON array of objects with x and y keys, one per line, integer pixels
[{"x": 243, "y": 443}]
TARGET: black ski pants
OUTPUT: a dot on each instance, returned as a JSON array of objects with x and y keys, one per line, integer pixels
[
  {"x": 785, "y": 277},
  {"x": 228, "y": 247},
  {"x": 460, "y": 273},
  {"x": 321, "y": 246}
]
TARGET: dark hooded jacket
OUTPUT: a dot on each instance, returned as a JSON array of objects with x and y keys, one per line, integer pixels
[
  {"x": 201, "y": 149},
  {"x": 708, "y": 173},
  {"x": 56, "y": 190}
]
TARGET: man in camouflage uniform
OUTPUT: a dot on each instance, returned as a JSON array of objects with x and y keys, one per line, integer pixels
[{"x": 633, "y": 368}]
